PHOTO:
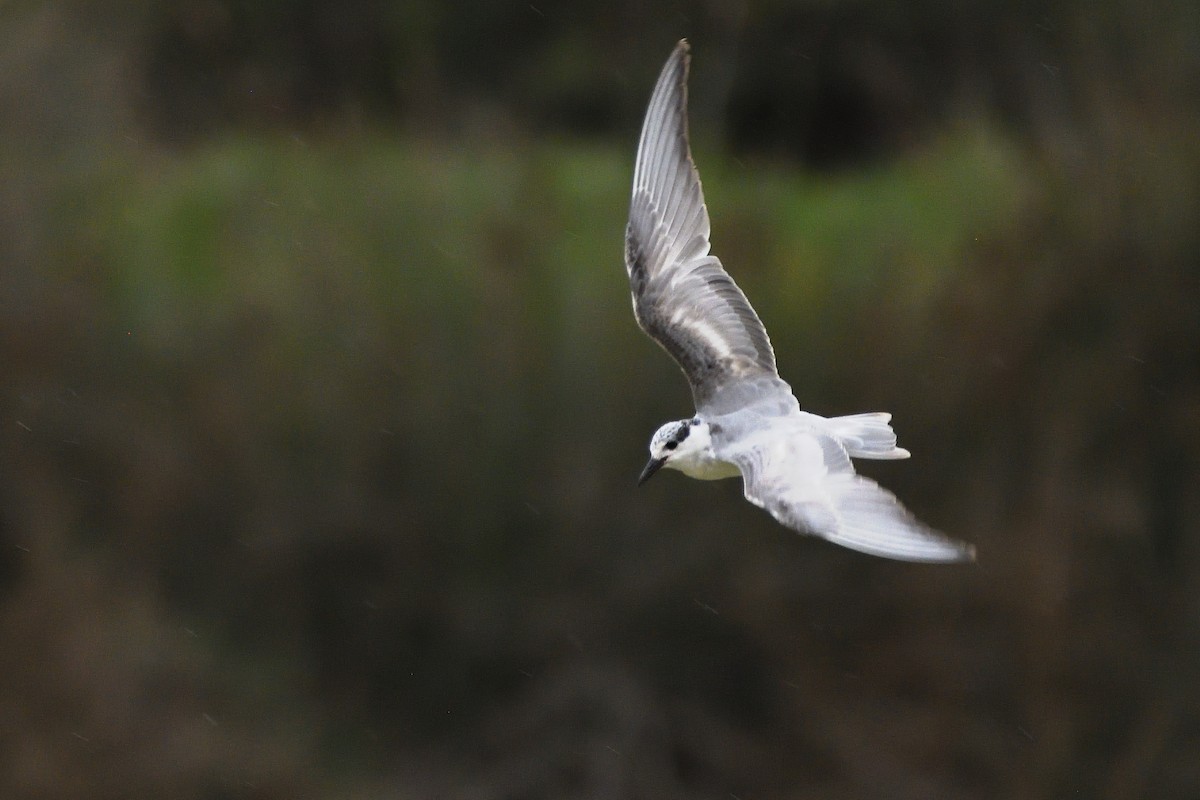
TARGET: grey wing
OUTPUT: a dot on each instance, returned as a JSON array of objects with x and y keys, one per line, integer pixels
[
  {"x": 682, "y": 297},
  {"x": 806, "y": 481}
]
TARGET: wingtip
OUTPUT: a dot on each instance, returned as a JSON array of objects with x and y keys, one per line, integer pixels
[
  {"x": 682, "y": 52},
  {"x": 964, "y": 552},
  {"x": 956, "y": 551}
]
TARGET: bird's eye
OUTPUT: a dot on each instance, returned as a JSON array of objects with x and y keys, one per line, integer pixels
[{"x": 672, "y": 445}]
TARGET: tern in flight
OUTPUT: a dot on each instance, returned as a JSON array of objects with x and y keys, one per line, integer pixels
[{"x": 794, "y": 464}]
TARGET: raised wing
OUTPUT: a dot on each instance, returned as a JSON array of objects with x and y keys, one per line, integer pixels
[
  {"x": 806, "y": 481},
  {"x": 681, "y": 295}
]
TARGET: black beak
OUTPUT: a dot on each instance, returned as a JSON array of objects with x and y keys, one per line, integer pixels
[{"x": 652, "y": 466}]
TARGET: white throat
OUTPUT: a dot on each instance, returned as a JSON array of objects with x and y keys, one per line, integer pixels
[{"x": 695, "y": 457}]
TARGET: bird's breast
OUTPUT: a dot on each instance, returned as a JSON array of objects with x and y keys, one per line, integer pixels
[{"x": 709, "y": 468}]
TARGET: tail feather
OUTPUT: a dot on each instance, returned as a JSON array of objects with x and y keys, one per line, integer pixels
[{"x": 866, "y": 435}]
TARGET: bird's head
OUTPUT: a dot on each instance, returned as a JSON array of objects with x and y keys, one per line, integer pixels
[{"x": 674, "y": 444}]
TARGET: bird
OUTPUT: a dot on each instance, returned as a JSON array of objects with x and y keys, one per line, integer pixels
[{"x": 794, "y": 464}]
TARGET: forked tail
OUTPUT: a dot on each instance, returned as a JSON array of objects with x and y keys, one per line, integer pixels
[{"x": 866, "y": 435}]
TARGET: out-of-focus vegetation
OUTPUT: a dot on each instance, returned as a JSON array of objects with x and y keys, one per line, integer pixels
[{"x": 323, "y": 402}]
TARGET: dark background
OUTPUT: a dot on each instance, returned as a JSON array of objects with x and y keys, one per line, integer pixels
[{"x": 323, "y": 402}]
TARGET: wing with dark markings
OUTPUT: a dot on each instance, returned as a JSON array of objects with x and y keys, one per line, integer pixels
[{"x": 682, "y": 297}]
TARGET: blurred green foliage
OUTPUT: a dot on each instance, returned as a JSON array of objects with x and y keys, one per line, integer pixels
[{"x": 323, "y": 402}]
